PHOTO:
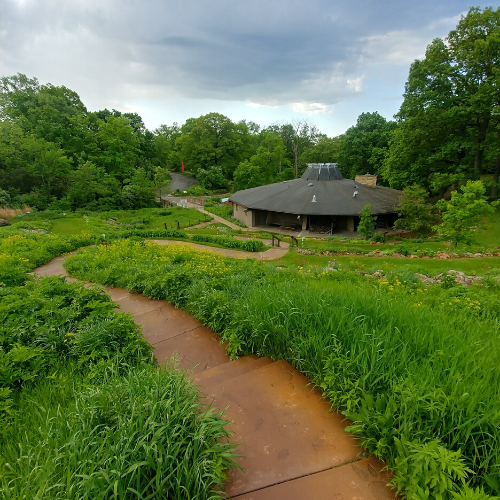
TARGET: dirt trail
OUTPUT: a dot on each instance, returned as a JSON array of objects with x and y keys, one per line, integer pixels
[{"x": 293, "y": 447}]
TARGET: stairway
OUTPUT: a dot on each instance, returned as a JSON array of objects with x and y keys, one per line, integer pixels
[{"x": 292, "y": 446}]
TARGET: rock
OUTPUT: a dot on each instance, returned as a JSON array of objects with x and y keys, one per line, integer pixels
[
  {"x": 377, "y": 250},
  {"x": 305, "y": 251},
  {"x": 376, "y": 274},
  {"x": 4, "y": 223},
  {"x": 443, "y": 255},
  {"x": 463, "y": 279},
  {"x": 425, "y": 279},
  {"x": 414, "y": 256},
  {"x": 478, "y": 255},
  {"x": 397, "y": 255}
]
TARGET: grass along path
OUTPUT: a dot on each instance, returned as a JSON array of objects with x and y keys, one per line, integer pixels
[
  {"x": 415, "y": 368},
  {"x": 286, "y": 431}
]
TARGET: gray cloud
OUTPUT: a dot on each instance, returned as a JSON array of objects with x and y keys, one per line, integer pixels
[{"x": 315, "y": 52}]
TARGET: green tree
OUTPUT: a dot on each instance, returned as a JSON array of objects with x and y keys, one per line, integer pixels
[
  {"x": 164, "y": 143},
  {"x": 326, "y": 150},
  {"x": 416, "y": 215},
  {"x": 366, "y": 226},
  {"x": 55, "y": 114},
  {"x": 247, "y": 176},
  {"x": 447, "y": 128},
  {"x": 364, "y": 146},
  {"x": 90, "y": 187},
  {"x": 212, "y": 178},
  {"x": 161, "y": 179},
  {"x": 139, "y": 192},
  {"x": 462, "y": 214},
  {"x": 118, "y": 147},
  {"x": 213, "y": 140}
]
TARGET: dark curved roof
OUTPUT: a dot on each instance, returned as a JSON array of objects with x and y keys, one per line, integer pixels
[{"x": 324, "y": 183}]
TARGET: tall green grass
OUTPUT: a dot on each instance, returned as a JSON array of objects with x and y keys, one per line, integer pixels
[
  {"x": 402, "y": 372},
  {"x": 84, "y": 411},
  {"x": 138, "y": 433}
]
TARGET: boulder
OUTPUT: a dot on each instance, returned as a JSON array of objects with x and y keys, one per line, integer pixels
[{"x": 4, "y": 223}]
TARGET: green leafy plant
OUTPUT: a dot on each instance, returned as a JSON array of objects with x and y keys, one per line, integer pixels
[
  {"x": 415, "y": 214},
  {"x": 463, "y": 212},
  {"x": 427, "y": 471},
  {"x": 367, "y": 221}
]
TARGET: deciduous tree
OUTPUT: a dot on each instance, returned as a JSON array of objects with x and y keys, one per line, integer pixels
[
  {"x": 463, "y": 212},
  {"x": 415, "y": 214}
]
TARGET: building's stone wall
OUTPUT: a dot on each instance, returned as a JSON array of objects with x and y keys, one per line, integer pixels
[
  {"x": 243, "y": 214},
  {"x": 367, "y": 179}
]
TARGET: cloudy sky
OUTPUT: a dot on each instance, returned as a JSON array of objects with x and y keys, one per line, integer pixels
[{"x": 266, "y": 61}]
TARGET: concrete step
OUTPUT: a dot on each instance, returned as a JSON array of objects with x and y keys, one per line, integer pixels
[
  {"x": 52, "y": 268},
  {"x": 359, "y": 480},
  {"x": 230, "y": 370},
  {"x": 283, "y": 425},
  {"x": 197, "y": 350},
  {"x": 137, "y": 304},
  {"x": 164, "y": 322},
  {"x": 222, "y": 368}
]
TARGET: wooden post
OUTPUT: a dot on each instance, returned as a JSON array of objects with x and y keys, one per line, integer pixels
[
  {"x": 178, "y": 225},
  {"x": 165, "y": 224}
]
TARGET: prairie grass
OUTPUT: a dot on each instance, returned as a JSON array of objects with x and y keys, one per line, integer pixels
[
  {"x": 10, "y": 213},
  {"x": 84, "y": 411},
  {"x": 409, "y": 365},
  {"x": 135, "y": 432},
  {"x": 473, "y": 266}
]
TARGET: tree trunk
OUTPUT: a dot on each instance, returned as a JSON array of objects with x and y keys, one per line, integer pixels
[{"x": 496, "y": 178}]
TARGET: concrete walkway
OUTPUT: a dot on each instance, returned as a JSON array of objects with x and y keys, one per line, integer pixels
[
  {"x": 270, "y": 254},
  {"x": 293, "y": 448}
]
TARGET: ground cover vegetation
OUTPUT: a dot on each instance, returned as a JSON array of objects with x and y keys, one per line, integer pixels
[
  {"x": 144, "y": 223},
  {"x": 216, "y": 207},
  {"x": 414, "y": 366},
  {"x": 84, "y": 411}
]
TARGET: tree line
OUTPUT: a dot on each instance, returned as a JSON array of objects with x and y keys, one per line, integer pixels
[{"x": 55, "y": 153}]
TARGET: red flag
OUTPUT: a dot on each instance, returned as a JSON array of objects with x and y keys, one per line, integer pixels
[{"x": 182, "y": 167}]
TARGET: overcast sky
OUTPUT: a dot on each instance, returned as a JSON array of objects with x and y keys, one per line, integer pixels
[{"x": 266, "y": 61}]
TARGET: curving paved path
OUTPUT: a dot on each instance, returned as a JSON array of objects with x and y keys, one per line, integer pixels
[
  {"x": 271, "y": 254},
  {"x": 292, "y": 446}
]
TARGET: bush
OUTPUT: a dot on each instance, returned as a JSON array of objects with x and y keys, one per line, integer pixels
[{"x": 379, "y": 238}]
